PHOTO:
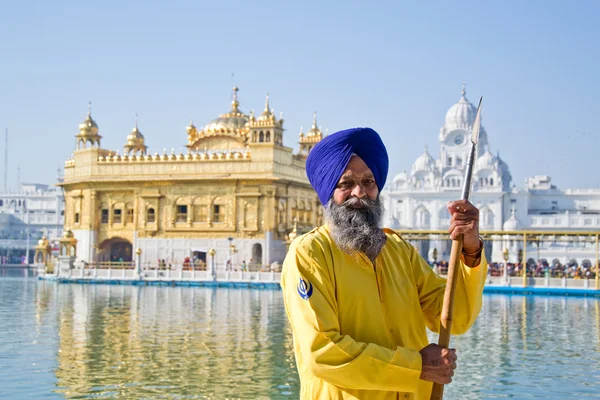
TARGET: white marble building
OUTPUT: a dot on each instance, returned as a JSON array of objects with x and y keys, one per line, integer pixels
[
  {"x": 27, "y": 214},
  {"x": 417, "y": 199}
]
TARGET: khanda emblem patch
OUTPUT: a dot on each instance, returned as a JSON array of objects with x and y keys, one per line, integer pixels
[{"x": 305, "y": 289}]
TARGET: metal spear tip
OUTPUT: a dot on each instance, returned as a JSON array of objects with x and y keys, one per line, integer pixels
[{"x": 477, "y": 123}]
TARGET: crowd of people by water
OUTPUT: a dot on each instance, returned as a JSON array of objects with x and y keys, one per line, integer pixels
[{"x": 534, "y": 270}]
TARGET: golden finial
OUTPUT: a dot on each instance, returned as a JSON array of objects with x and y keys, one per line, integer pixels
[
  {"x": 191, "y": 129},
  {"x": 136, "y": 121},
  {"x": 267, "y": 103},
  {"x": 89, "y": 108},
  {"x": 234, "y": 102},
  {"x": 464, "y": 89},
  {"x": 314, "y": 125}
]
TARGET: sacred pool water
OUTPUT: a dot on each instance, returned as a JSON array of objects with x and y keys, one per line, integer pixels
[{"x": 101, "y": 341}]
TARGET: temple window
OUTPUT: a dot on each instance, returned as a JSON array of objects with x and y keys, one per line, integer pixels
[
  {"x": 449, "y": 160},
  {"x": 117, "y": 216},
  {"x": 129, "y": 216},
  {"x": 104, "y": 216},
  {"x": 458, "y": 161},
  {"x": 151, "y": 215},
  {"x": 1, "y": 203},
  {"x": 76, "y": 218},
  {"x": 181, "y": 213},
  {"x": 218, "y": 213},
  {"x": 268, "y": 137},
  {"x": 261, "y": 137},
  {"x": 491, "y": 181}
]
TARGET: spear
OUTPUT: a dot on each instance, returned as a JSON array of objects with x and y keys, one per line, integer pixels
[{"x": 446, "y": 320}]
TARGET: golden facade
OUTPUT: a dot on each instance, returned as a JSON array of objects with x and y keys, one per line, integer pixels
[{"x": 237, "y": 183}]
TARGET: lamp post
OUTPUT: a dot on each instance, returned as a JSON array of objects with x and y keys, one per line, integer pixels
[
  {"x": 505, "y": 255},
  {"x": 138, "y": 262},
  {"x": 211, "y": 253},
  {"x": 520, "y": 259},
  {"x": 28, "y": 233}
]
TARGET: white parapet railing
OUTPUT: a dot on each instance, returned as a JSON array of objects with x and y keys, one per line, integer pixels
[{"x": 104, "y": 272}]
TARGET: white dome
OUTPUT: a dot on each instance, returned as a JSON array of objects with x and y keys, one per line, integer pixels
[
  {"x": 512, "y": 224},
  {"x": 401, "y": 177},
  {"x": 461, "y": 114},
  {"x": 501, "y": 164},
  {"x": 486, "y": 161},
  {"x": 424, "y": 163}
]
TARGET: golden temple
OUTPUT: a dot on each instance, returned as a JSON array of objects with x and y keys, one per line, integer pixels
[{"x": 237, "y": 189}]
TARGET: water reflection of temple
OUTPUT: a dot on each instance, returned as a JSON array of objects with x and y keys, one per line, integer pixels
[{"x": 131, "y": 340}]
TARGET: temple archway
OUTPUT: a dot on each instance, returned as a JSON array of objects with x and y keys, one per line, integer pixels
[
  {"x": 257, "y": 254},
  {"x": 116, "y": 250}
]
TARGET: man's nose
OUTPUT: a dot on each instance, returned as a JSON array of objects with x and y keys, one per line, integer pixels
[{"x": 358, "y": 191}]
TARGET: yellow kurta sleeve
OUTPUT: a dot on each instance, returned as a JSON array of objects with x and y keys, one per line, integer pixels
[
  {"x": 322, "y": 351},
  {"x": 467, "y": 297}
]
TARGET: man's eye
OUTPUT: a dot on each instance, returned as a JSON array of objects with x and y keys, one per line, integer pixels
[
  {"x": 368, "y": 182},
  {"x": 345, "y": 185}
]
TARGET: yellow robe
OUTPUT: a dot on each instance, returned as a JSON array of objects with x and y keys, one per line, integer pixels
[{"x": 358, "y": 328}]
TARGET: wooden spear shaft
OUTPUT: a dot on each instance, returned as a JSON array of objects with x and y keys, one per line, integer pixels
[{"x": 437, "y": 392}]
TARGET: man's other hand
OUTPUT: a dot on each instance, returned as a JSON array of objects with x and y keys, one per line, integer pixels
[{"x": 438, "y": 364}]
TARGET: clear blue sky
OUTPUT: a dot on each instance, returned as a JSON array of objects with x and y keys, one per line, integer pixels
[{"x": 395, "y": 66}]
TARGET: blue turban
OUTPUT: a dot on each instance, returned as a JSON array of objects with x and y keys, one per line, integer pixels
[{"x": 327, "y": 161}]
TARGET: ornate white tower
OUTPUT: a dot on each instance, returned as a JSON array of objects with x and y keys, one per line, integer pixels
[{"x": 454, "y": 141}]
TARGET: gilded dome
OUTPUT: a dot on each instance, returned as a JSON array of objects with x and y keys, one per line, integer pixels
[
  {"x": 314, "y": 130},
  {"x": 89, "y": 125},
  {"x": 88, "y": 131},
  {"x": 135, "y": 136},
  {"x": 267, "y": 114},
  {"x": 227, "y": 123},
  {"x": 135, "y": 141},
  {"x": 233, "y": 121}
]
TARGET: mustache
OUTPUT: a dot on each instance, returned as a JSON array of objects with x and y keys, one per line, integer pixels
[{"x": 355, "y": 201}]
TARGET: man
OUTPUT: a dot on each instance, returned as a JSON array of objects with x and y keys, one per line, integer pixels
[{"x": 359, "y": 297}]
